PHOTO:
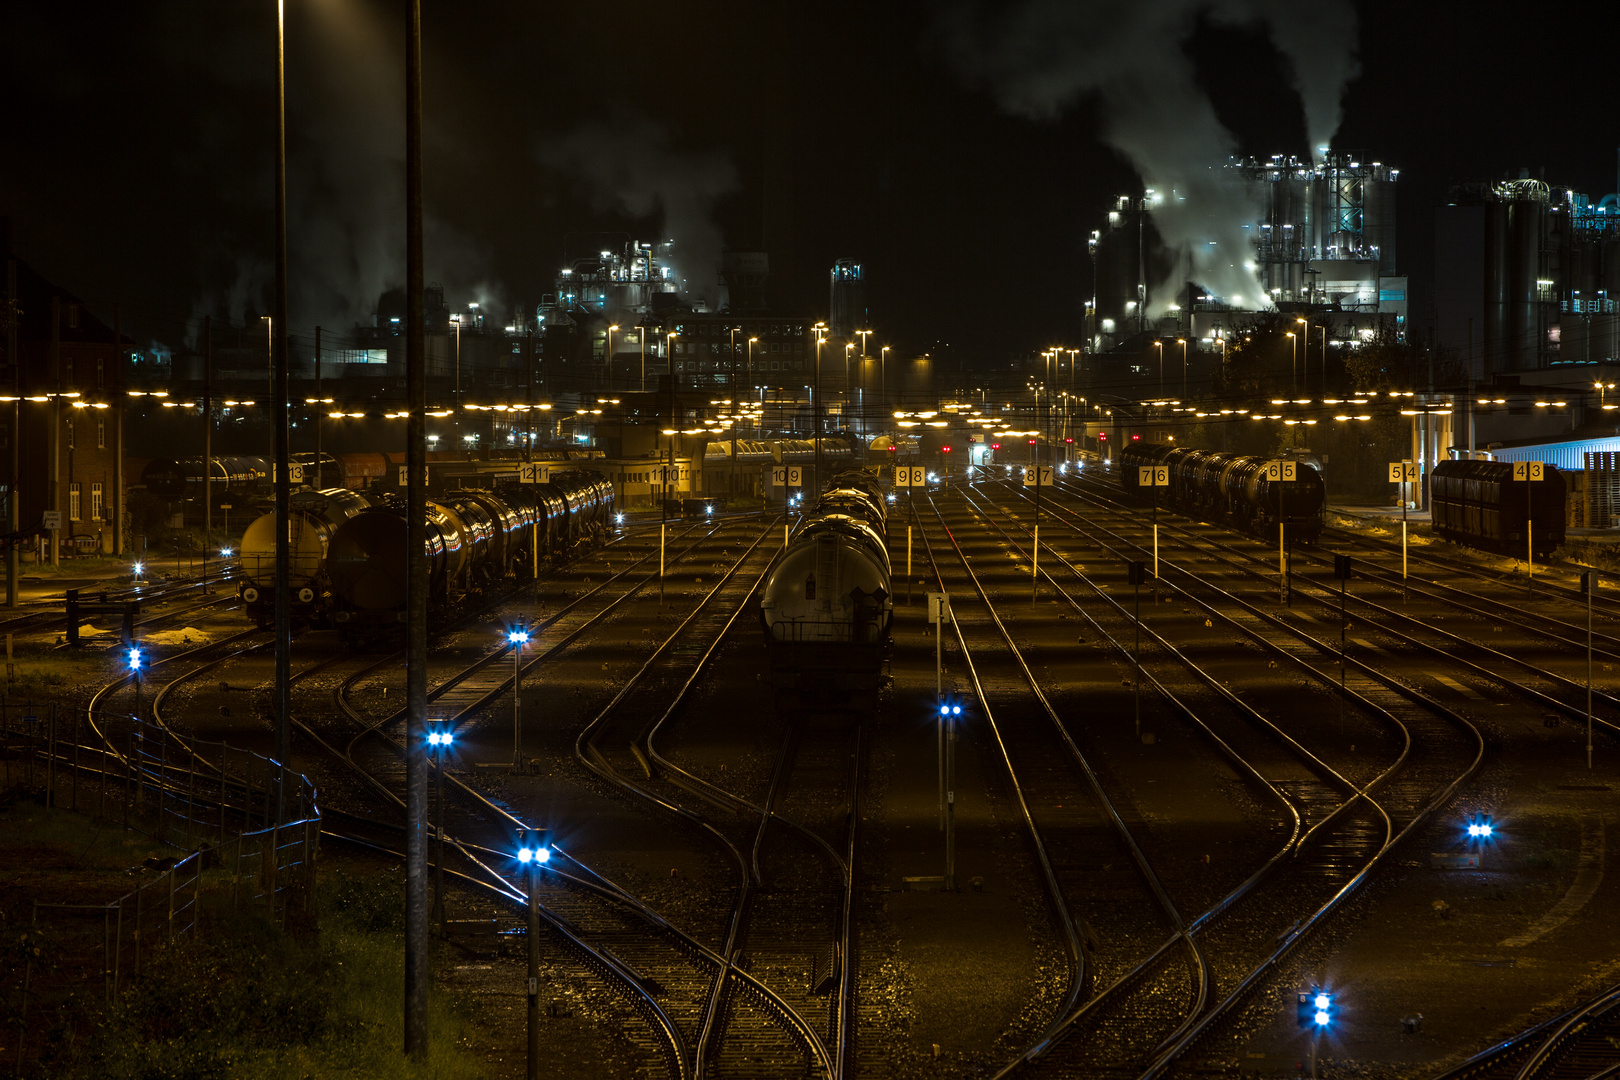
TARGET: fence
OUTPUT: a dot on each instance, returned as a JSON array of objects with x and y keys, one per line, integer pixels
[{"x": 251, "y": 827}]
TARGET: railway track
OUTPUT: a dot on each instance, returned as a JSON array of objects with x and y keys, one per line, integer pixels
[
  {"x": 1421, "y": 777},
  {"x": 1582, "y": 1043},
  {"x": 650, "y": 962}
]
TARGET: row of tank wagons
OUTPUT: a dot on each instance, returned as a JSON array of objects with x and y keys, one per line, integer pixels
[
  {"x": 1481, "y": 505},
  {"x": 1231, "y": 488},
  {"x": 250, "y": 478},
  {"x": 782, "y": 451},
  {"x": 827, "y": 607},
  {"x": 348, "y": 550}
]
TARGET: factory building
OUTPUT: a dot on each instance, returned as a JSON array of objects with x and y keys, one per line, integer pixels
[
  {"x": 1527, "y": 276},
  {"x": 1320, "y": 238}
]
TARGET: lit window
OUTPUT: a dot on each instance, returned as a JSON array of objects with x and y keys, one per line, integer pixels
[
  {"x": 73, "y": 501},
  {"x": 95, "y": 502}
]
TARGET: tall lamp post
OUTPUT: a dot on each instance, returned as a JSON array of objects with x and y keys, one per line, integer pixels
[
  {"x": 1294, "y": 343},
  {"x": 518, "y": 638},
  {"x": 607, "y": 356},
  {"x": 669, "y": 357},
  {"x": 1183, "y": 343},
  {"x": 883, "y": 380},
  {"x": 1160, "y": 346}
]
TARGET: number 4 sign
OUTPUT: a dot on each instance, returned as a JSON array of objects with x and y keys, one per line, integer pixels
[{"x": 1529, "y": 470}]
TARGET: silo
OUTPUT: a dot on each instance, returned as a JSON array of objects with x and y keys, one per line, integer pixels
[
  {"x": 1605, "y": 338},
  {"x": 1378, "y": 218},
  {"x": 1514, "y": 223},
  {"x": 1575, "y": 339}
]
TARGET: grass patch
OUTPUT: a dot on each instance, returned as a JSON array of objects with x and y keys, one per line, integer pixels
[{"x": 244, "y": 1000}]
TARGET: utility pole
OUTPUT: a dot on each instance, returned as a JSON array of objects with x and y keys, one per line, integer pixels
[
  {"x": 208, "y": 438},
  {"x": 13, "y": 511},
  {"x": 278, "y": 420},
  {"x": 56, "y": 426},
  {"x": 417, "y": 944},
  {"x": 119, "y": 399},
  {"x": 320, "y": 415}
]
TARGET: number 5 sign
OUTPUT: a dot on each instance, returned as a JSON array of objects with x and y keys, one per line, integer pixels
[
  {"x": 1281, "y": 470},
  {"x": 1403, "y": 472}
]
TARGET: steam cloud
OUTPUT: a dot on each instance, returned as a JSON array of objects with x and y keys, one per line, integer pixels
[
  {"x": 1046, "y": 54},
  {"x": 631, "y": 168}
]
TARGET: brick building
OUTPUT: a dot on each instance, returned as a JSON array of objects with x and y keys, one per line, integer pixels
[{"x": 61, "y": 410}]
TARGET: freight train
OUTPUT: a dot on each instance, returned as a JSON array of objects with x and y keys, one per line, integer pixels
[
  {"x": 350, "y": 553},
  {"x": 827, "y": 606},
  {"x": 1232, "y": 489},
  {"x": 1479, "y": 504}
]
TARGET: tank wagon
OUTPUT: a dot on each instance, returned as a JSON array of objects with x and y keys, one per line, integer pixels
[
  {"x": 1480, "y": 505},
  {"x": 827, "y": 605},
  {"x": 316, "y": 515},
  {"x": 1232, "y": 489},
  {"x": 474, "y": 539}
]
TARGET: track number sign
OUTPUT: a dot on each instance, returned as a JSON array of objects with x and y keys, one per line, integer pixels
[
  {"x": 939, "y": 607},
  {"x": 1281, "y": 470},
  {"x": 1403, "y": 472},
  {"x": 1038, "y": 476},
  {"x": 787, "y": 476},
  {"x": 1153, "y": 476},
  {"x": 532, "y": 472},
  {"x": 404, "y": 474},
  {"x": 295, "y": 472},
  {"x": 910, "y": 476},
  {"x": 1529, "y": 470}
]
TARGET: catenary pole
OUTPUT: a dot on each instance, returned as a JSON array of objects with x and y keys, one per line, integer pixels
[
  {"x": 417, "y": 974},
  {"x": 278, "y": 418}
]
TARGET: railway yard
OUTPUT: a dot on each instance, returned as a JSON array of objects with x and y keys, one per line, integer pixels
[{"x": 1174, "y": 806}]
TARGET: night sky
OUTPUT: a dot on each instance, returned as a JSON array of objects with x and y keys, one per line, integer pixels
[{"x": 951, "y": 146}]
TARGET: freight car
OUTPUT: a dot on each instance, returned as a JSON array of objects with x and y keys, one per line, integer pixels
[
  {"x": 827, "y": 605},
  {"x": 1480, "y": 505},
  {"x": 1232, "y": 489},
  {"x": 315, "y": 516},
  {"x": 475, "y": 539}
]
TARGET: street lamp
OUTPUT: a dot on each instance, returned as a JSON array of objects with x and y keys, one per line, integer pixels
[
  {"x": 883, "y": 378},
  {"x": 1183, "y": 343},
  {"x": 534, "y": 850},
  {"x": 1160, "y": 346},
  {"x": 1294, "y": 344},
  {"x": 518, "y": 638},
  {"x": 1306, "y": 343},
  {"x": 607, "y": 356},
  {"x": 439, "y": 740}
]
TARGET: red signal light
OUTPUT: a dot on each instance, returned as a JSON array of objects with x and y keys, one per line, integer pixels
[
  {"x": 1068, "y": 440},
  {"x": 1135, "y": 437},
  {"x": 995, "y": 446},
  {"x": 945, "y": 449},
  {"x": 891, "y": 449},
  {"x": 1031, "y": 442},
  {"x": 1102, "y": 436}
]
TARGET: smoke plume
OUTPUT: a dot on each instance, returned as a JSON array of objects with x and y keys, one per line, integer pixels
[
  {"x": 631, "y": 168},
  {"x": 1041, "y": 56}
]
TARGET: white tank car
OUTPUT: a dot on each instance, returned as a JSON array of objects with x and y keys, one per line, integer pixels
[
  {"x": 315, "y": 517},
  {"x": 827, "y": 609}
]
